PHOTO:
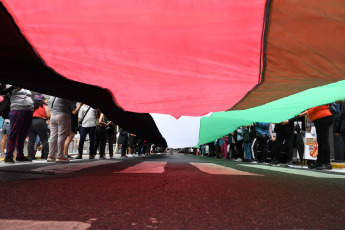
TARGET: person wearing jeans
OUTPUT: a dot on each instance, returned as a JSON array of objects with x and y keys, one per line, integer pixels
[{"x": 87, "y": 117}]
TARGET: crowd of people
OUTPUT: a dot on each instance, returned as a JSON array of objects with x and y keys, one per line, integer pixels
[
  {"x": 261, "y": 141},
  {"x": 30, "y": 116},
  {"x": 51, "y": 126}
]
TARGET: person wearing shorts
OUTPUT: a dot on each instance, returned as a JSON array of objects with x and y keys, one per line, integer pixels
[{"x": 6, "y": 128}]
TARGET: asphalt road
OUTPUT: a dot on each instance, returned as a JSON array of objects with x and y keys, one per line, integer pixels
[{"x": 169, "y": 192}]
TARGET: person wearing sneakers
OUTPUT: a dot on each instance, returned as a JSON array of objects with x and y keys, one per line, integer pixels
[
  {"x": 21, "y": 111},
  {"x": 60, "y": 127}
]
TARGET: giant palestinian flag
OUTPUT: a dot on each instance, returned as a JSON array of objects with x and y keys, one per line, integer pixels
[{"x": 178, "y": 73}]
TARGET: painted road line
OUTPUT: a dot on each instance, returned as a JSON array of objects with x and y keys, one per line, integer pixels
[
  {"x": 34, "y": 224},
  {"x": 211, "y": 168},
  {"x": 309, "y": 173},
  {"x": 70, "y": 167},
  {"x": 145, "y": 167}
]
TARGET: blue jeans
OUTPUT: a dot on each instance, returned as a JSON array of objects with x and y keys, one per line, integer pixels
[
  {"x": 246, "y": 146},
  {"x": 83, "y": 132}
]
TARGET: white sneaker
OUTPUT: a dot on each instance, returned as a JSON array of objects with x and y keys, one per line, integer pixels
[
  {"x": 62, "y": 159},
  {"x": 238, "y": 160},
  {"x": 50, "y": 159}
]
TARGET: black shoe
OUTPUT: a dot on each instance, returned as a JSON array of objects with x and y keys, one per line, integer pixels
[
  {"x": 91, "y": 157},
  {"x": 9, "y": 160},
  {"x": 102, "y": 157},
  {"x": 79, "y": 156},
  {"x": 23, "y": 159},
  {"x": 70, "y": 157},
  {"x": 313, "y": 166},
  {"x": 288, "y": 164},
  {"x": 32, "y": 158},
  {"x": 324, "y": 167},
  {"x": 275, "y": 163}
]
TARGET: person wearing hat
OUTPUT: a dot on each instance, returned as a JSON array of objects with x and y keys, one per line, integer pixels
[{"x": 39, "y": 127}]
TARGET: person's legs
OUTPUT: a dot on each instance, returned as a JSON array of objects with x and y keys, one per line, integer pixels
[
  {"x": 15, "y": 128},
  {"x": 26, "y": 121},
  {"x": 322, "y": 126},
  {"x": 123, "y": 150},
  {"x": 247, "y": 150},
  {"x": 278, "y": 147},
  {"x": 83, "y": 133},
  {"x": 67, "y": 143},
  {"x": 53, "y": 149},
  {"x": 6, "y": 129},
  {"x": 110, "y": 138},
  {"x": 64, "y": 128},
  {"x": 263, "y": 148},
  {"x": 289, "y": 145},
  {"x": 43, "y": 135},
  {"x": 97, "y": 138},
  {"x": 3, "y": 142},
  {"x": 343, "y": 136},
  {"x": 92, "y": 131},
  {"x": 102, "y": 141},
  {"x": 32, "y": 140}
]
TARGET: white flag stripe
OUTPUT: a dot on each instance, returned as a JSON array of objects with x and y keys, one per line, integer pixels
[
  {"x": 310, "y": 173},
  {"x": 145, "y": 167},
  {"x": 181, "y": 132},
  {"x": 70, "y": 167},
  {"x": 211, "y": 168}
]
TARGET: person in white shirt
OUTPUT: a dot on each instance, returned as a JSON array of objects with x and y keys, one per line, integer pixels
[{"x": 88, "y": 120}]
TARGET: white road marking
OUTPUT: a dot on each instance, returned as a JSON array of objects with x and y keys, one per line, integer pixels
[
  {"x": 145, "y": 167},
  {"x": 310, "y": 173},
  {"x": 211, "y": 168},
  {"x": 71, "y": 167},
  {"x": 34, "y": 224}
]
